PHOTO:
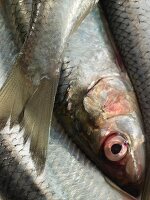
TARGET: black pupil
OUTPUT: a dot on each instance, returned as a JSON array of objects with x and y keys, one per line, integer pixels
[{"x": 116, "y": 148}]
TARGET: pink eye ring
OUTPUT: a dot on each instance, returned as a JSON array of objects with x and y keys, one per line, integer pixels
[{"x": 115, "y": 148}]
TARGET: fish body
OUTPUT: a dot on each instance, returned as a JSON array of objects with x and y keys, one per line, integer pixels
[
  {"x": 129, "y": 23},
  {"x": 98, "y": 109},
  {"x": 29, "y": 92},
  {"x": 68, "y": 174}
]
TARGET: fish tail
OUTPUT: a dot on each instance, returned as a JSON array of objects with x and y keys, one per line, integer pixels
[
  {"x": 32, "y": 107},
  {"x": 13, "y": 96},
  {"x": 37, "y": 120}
]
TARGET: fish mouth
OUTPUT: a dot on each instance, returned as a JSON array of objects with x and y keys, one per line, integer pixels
[
  {"x": 133, "y": 188},
  {"x": 132, "y": 195}
]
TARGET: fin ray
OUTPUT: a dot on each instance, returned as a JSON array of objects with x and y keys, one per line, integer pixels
[
  {"x": 13, "y": 96},
  {"x": 37, "y": 120},
  {"x": 32, "y": 107}
]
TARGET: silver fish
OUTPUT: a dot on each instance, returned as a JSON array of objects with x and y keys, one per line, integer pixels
[
  {"x": 98, "y": 109},
  {"x": 29, "y": 92},
  {"x": 68, "y": 174}
]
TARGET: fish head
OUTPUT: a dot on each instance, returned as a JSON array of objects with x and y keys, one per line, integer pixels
[
  {"x": 108, "y": 128},
  {"x": 121, "y": 153}
]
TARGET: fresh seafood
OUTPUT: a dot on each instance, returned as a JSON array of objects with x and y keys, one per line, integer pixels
[
  {"x": 98, "y": 109},
  {"x": 68, "y": 174},
  {"x": 129, "y": 23},
  {"x": 29, "y": 92}
]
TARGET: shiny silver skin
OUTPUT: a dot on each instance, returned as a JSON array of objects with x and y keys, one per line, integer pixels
[
  {"x": 69, "y": 174},
  {"x": 33, "y": 81},
  {"x": 18, "y": 178},
  {"x": 95, "y": 100}
]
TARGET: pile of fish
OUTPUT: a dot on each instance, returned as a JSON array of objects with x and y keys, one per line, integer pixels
[{"x": 72, "y": 126}]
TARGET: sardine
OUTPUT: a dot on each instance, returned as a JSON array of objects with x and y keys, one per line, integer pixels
[
  {"x": 29, "y": 92},
  {"x": 98, "y": 109},
  {"x": 129, "y": 23},
  {"x": 68, "y": 174}
]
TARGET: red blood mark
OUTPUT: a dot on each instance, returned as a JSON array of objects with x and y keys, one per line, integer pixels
[{"x": 116, "y": 104}]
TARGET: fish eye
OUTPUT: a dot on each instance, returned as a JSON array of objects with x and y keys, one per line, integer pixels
[
  {"x": 115, "y": 147},
  {"x": 119, "y": 163}
]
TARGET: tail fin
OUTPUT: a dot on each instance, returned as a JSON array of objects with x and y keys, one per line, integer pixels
[
  {"x": 13, "y": 96},
  {"x": 30, "y": 106},
  {"x": 37, "y": 120}
]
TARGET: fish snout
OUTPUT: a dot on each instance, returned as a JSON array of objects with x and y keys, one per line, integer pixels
[{"x": 135, "y": 166}]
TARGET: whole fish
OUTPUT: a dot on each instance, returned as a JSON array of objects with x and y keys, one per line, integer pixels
[
  {"x": 68, "y": 174},
  {"x": 129, "y": 22},
  {"x": 29, "y": 92},
  {"x": 98, "y": 109}
]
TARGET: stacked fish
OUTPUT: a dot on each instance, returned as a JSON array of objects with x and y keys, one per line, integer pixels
[{"x": 60, "y": 56}]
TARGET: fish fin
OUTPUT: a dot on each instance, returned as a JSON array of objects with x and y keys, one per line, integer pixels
[
  {"x": 13, "y": 96},
  {"x": 37, "y": 120}
]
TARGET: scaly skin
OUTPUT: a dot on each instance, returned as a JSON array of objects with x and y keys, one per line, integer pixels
[{"x": 18, "y": 178}]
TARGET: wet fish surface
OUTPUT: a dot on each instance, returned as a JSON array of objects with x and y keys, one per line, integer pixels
[
  {"x": 129, "y": 23},
  {"x": 29, "y": 92},
  {"x": 98, "y": 109},
  {"x": 68, "y": 174}
]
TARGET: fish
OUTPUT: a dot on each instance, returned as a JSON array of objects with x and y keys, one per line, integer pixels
[
  {"x": 129, "y": 24},
  {"x": 28, "y": 94},
  {"x": 98, "y": 109},
  {"x": 68, "y": 174}
]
